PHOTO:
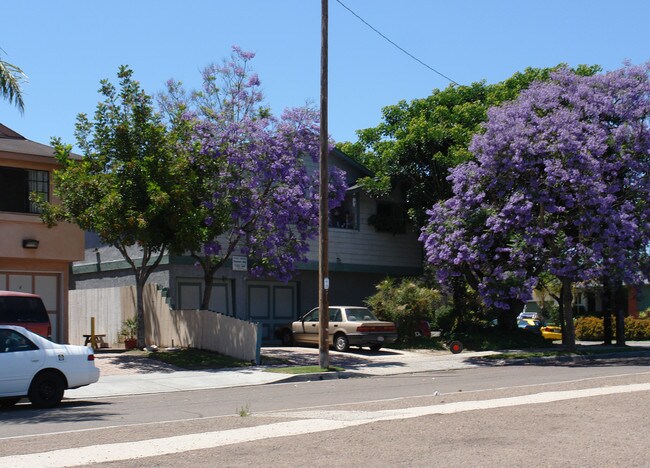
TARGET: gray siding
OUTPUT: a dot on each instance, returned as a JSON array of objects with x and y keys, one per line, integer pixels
[{"x": 365, "y": 246}]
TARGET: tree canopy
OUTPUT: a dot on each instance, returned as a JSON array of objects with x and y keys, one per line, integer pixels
[
  {"x": 419, "y": 141},
  {"x": 561, "y": 184},
  {"x": 129, "y": 186}
]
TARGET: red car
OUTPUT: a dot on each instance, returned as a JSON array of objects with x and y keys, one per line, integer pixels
[{"x": 25, "y": 310}]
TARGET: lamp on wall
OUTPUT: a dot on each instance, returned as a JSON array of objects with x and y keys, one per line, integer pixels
[{"x": 30, "y": 244}]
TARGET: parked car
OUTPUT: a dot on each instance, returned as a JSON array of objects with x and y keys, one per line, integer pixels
[
  {"x": 551, "y": 332},
  {"x": 39, "y": 369},
  {"x": 529, "y": 315},
  {"x": 528, "y": 324},
  {"x": 348, "y": 326},
  {"x": 24, "y": 310}
]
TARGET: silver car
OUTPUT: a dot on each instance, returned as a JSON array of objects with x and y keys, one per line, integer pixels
[{"x": 348, "y": 326}]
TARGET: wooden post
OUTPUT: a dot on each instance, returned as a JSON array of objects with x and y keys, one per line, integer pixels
[
  {"x": 93, "y": 341},
  {"x": 323, "y": 271}
]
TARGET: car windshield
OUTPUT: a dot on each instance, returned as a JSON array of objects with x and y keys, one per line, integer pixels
[{"x": 360, "y": 314}]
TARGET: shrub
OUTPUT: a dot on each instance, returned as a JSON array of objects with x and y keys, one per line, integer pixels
[
  {"x": 637, "y": 329},
  {"x": 592, "y": 329},
  {"x": 405, "y": 303}
]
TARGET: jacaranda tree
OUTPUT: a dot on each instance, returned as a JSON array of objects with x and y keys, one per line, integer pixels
[
  {"x": 561, "y": 184},
  {"x": 253, "y": 191}
]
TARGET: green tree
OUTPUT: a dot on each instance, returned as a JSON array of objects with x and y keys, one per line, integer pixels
[
  {"x": 130, "y": 186},
  {"x": 11, "y": 79}
]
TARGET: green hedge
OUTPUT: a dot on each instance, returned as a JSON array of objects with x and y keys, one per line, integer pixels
[{"x": 591, "y": 329}]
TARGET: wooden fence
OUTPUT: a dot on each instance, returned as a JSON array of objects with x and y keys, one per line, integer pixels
[{"x": 164, "y": 327}]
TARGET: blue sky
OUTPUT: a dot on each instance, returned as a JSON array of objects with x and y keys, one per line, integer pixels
[{"x": 66, "y": 47}]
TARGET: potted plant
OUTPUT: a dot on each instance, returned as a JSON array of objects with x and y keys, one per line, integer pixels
[{"x": 129, "y": 333}]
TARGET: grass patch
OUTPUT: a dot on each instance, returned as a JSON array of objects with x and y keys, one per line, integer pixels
[
  {"x": 194, "y": 359},
  {"x": 304, "y": 369}
]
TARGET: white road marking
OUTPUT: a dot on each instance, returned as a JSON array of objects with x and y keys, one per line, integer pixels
[{"x": 316, "y": 421}]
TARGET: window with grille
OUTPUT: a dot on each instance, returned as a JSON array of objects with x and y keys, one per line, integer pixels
[{"x": 17, "y": 184}]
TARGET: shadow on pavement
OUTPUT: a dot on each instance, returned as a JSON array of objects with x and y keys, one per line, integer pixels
[
  {"x": 134, "y": 363},
  {"x": 68, "y": 411},
  {"x": 603, "y": 360},
  {"x": 298, "y": 356}
]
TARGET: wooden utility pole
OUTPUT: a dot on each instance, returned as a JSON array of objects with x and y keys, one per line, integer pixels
[{"x": 323, "y": 270}]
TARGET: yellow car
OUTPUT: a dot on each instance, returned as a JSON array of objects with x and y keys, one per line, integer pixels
[{"x": 551, "y": 332}]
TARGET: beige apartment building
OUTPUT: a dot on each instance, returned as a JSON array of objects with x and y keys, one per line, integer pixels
[{"x": 33, "y": 257}]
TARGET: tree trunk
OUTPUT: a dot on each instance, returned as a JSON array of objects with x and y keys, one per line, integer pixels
[
  {"x": 459, "y": 295},
  {"x": 620, "y": 304},
  {"x": 209, "y": 267},
  {"x": 508, "y": 318},
  {"x": 568, "y": 334},
  {"x": 208, "y": 276},
  {"x": 139, "y": 295},
  {"x": 606, "y": 300}
]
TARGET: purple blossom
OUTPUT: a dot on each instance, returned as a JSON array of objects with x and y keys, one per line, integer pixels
[{"x": 263, "y": 201}]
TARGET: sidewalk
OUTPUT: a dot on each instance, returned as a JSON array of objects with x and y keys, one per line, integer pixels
[{"x": 131, "y": 375}]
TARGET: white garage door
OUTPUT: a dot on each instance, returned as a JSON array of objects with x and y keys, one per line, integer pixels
[{"x": 48, "y": 286}]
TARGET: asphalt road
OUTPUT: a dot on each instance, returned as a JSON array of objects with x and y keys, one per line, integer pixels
[{"x": 590, "y": 414}]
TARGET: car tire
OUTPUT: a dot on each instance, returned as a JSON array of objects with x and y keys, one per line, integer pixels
[
  {"x": 46, "y": 390},
  {"x": 341, "y": 342},
  {"x": 9, "y": 402},
  {"x": 375, "y": 347},
  {"x": 287, "y": 338}
]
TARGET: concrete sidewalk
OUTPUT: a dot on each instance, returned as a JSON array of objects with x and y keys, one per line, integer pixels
[{"x": 128, "y": 375}]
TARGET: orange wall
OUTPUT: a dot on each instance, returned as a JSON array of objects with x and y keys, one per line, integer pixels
[{"x": 62, "y": 242}]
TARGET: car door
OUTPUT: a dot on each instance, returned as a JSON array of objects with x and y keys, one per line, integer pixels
[
  {"x": 336, "y": 322},
  {"x": 305, "y": 330},
  {"x": 20, "y": 359}
]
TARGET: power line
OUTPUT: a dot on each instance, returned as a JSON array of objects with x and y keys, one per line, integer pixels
[{"x": 394, "y": 44}]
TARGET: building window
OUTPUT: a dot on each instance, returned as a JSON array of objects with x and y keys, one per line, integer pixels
[
  {"x": 17, "y": 184},
  {"x": 346, "y": 216},
  {"x": 390, "y": 217}
]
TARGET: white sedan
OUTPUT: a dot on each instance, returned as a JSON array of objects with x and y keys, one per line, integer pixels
[{"x": 36, "y": 368}]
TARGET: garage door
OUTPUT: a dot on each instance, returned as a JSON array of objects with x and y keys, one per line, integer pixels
[
  {"x": 272, "y": 304},
  {"x": 45, "y": 285}
]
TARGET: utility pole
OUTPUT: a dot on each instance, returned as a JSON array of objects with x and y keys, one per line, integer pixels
[{"x": 323, "y": 270}]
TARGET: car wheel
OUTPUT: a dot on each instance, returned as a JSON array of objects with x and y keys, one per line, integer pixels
[
  {"x": 341, "y": 342},
  {"x": 287, "y": 338},
  {"x": 46, "y": 390},
  {"x": 9, "y": 402},
  {"x": 375, "y": 347}
]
